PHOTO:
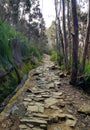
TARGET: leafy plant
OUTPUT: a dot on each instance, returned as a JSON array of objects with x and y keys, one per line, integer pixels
[{"x": 53, "y": 56}]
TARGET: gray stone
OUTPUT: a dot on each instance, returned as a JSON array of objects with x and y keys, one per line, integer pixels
[
  {"x": 85, "y": 108},
  {"x": 34, "y": 121},
  {"x": 44, "y": 127},
  {"x": 39, "y": 104},
  {"x": 61, "y": 104},
  {"x": 37, "y": 128},
  {"x": 38, "y": 99},
  {"x": 40, "y": 109},
  {"x": 50, "y": 85},
  {"x": 57, "y": 93},
  {"x": 39, "y": 96},
  {"x": 71, "y": 122},
  {"x": 32, "y": 108},
  {"x": 31, "y": 103},
  {"x": 30, "y": 125},
  {"x": 57, "y": 83},
  {"x": 27, "y": 99},
  {"x": 54, "y": 107},
  {"x": 22, "y": 126},
  {"x": 50, "y": 101},
  {"x": 45, "y": 96},
  {"x": 40, "y": 115}
]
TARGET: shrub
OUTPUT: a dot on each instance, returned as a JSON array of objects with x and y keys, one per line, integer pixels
[{"x": 53, "y": 56}]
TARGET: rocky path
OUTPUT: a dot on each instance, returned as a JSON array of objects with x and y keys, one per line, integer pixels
[{"x": 47, "y": 102}]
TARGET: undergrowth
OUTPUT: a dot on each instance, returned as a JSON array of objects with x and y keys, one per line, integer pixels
[
  {"x": 53, "y": 56},
  {"x": 10, "y": 82}
]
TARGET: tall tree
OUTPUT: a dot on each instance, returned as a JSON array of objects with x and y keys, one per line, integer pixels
[
  {"x": 59, "y": 36},
  {"x": 56, "y": 24},
  {"x": 69, "y": 29},
  {"x": 87, "y": 41},
  {"x": 75, "y": 43},
  {"x": 65, "y": 36}
]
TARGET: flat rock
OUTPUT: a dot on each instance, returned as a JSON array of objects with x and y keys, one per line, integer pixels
[
  {"x": 57, "y": 93},
  {"x": 40, "y": 115},
  {"x": 43, "y": 127},
  {"x": 22, "y": 126},
  {"x": 45, "y": 96},
  {"x": 50, "y": 101},
  {"x": 37, "y": 128},
  {"x": 29, "y": 125},
  {"x": 39, "y": 96},
  {"x": 54, "y": 107},
  {"x": 27, "y": 99},
  {"x": 32, "y": 108},
  {"x": 40, "y": 109},
  {"x": 71, "y": 122},
  {"x": 38, "y": 99},
  {"x": 34, "y": 121},
  {"x": 39, "y": 104},
  {"x": 85, "y": 108},
  {"x": 50, "y": 85},
  {"x": 57, "y": 83}
]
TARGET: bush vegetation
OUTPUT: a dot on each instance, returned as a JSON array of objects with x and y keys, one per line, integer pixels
[
  {"x": 17, "y": 55},
  {"x": 53, "y": 56}
]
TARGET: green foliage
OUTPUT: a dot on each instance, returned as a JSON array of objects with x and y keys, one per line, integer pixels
[
  {"x": 9, "y": 37},
  {"x": 4, "y": 48},
  {"x": 53, "y": 56},
  {"x": 23, "y": 44},
  {"x": 8, "y": 86},
  {"x": 7, "y": 34},
  {"x": 34, "y": 51},
  {"x": 87, "y": 67},
  {"x": 25, "y": 68}
]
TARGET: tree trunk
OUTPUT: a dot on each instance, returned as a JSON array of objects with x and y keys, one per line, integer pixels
[
  {"x": 61, "y": 38},
  {"x": 64, "y": 36},
  {"x": 69, "y": 29},
  {"x": 87, "y": 42},
  {"x": 75, "y": 44},
  {"x": 57, "y": 32}
]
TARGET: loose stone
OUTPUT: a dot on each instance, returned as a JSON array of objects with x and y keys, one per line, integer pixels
[{"x": 32, "y": 108}]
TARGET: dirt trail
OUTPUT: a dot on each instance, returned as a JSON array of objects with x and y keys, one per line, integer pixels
[{"x": 47, "y": 102}]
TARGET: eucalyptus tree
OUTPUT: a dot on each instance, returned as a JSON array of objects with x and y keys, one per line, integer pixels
[
  {"x": 59, "y": 35},
  {"x": 65, "y": 35},
  {"x": 74, "y": 43},
  {"x": 69, "y": 29},
  {"x": 87, "y": 40}
]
